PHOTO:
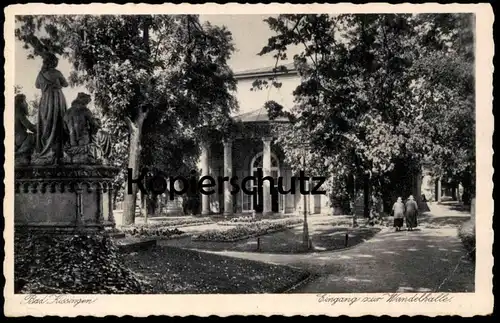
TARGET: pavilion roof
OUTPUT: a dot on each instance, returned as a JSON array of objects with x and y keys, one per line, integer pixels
[
  {"x": 265, "y": 71},
  {"x": 258, "y": 115}
]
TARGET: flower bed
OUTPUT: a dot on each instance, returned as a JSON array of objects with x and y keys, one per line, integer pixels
[
  {"x": 241, "y": 232},
  {"x": 243, "y": 219},
  {"x": 246, "y": 220},
  {"x": 178, "y": 223},
  {"x": 157, "y": 232},
  {"x": 74, "y": 264}
]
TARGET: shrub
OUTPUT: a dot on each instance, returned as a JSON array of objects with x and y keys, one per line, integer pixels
[
  {"x": 467, "y": 233},
  {"x": 51, "y": 263}
]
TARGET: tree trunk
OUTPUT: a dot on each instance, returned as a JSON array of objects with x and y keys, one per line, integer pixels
[
  {"x": 135, "y": 129},
  {"x": 144, "y": 207},
  {"x": 134, "y": 154}
]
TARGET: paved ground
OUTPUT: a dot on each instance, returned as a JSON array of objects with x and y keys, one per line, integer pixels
[{"x": 429, "y": 259}]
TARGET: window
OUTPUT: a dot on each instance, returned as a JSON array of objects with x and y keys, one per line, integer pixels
[
  {"x": 246, "y": 198},
  {"x": 257, "y": 162}
]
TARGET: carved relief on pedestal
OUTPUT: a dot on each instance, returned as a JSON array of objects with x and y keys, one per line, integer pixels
[{"x": 67, "y": 196}]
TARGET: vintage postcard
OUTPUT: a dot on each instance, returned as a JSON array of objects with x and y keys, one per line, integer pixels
[{"x": 248, "y": 159}]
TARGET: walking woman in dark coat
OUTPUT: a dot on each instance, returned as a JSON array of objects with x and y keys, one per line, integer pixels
[
  {"x": 399, "y": 212},
  {"x": 411, "y": 213}
]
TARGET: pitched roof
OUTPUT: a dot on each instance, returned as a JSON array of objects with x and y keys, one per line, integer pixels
[
  {"x": 265, "y": 71},
  {"x": 258, "y": 115}
]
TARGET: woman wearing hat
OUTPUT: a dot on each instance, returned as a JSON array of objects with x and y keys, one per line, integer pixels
[
  {"x": 399, "y": 213},
  {"x": 411, "y": 213}
]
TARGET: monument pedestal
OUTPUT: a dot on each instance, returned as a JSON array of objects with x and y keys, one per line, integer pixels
[
  {"x": 64, "y": 198},
  {"x": 174, "y": 207}
]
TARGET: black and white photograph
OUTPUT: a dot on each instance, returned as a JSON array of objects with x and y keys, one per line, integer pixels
[{"x": 300, "y": 153}]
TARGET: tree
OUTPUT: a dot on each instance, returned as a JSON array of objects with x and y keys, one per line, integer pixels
[
  {"x": 177, "y": 141},
  {"x": 369, "y": 100},
  {"x": 163, "y": 67},
  {"x": 450, "y": 101}
]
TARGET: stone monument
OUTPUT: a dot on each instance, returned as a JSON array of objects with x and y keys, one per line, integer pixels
[
  {"x": 24, "y": 133},
  {"x": 67, "y": 185},
  {"x": 175, "y": 207}
]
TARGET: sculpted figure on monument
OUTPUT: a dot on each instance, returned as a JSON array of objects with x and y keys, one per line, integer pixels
[
  {"x": 102, "y": 140},
  {"x": 24, "y": 141},
  {"x": 81, "y": 128},
  {"x": 50, "y": 132}
]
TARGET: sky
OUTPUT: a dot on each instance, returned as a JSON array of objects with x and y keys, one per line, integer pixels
[{"x": 250, "y": 34}]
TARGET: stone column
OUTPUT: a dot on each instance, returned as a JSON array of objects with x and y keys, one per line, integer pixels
[
  {"x": 454, "y": 193},
  {"x": 205, "y": 199},
  {"x": 438, "y": 190},
  {"x": 266, "y": 163},
  {"x": 228, "y": 172},
  {"x": 105, "y": 204},
  {"x": 111, "y": 217},
  {"x": 79, "y": 205},
  {"x": 100, "y": 208}
]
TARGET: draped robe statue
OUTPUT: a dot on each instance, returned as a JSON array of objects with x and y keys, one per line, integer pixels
[
  {"x": 24, "y": 141},
  {"x": 103, "y": 141},
  {"x": 50, "y": 132}
]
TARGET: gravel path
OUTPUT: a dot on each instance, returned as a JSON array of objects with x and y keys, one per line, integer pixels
[{"x": 431, "y": 258}]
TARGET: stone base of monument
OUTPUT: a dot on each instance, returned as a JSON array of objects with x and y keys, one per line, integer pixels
[
  {"x": 64, "y": 241},
  {"x": 64, "y": 199},
  {"x": 174, "y": 208}
]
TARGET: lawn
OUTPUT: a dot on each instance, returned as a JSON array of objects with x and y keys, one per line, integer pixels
[
  {"x": 324, "y": 237},
  {"x": 170, "y": 270}
]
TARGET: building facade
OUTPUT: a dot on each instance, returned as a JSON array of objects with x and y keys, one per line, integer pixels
[{"x": 250, "y": 147}]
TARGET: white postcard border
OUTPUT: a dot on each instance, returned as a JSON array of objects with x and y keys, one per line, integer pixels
[{"x": 464, "y": 304}]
